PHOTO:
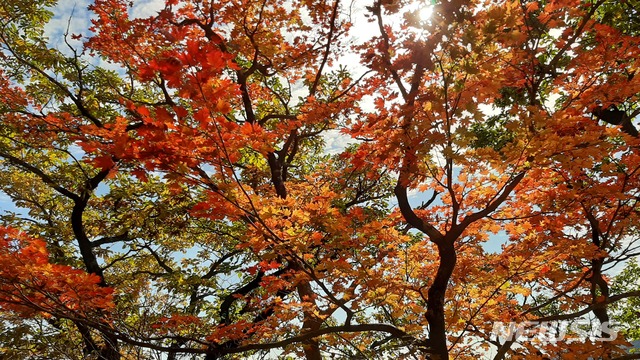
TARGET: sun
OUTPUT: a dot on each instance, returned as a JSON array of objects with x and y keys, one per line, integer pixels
[{"x": 426, "y": 12}]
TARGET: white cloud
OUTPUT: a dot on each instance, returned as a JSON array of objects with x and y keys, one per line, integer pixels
[
  {"x": 72, "y": 16},
  {"x": 336, "y": 141},
  {"x": 146, "y": 8}
]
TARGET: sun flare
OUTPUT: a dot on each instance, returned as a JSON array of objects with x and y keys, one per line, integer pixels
[{"x": 426, "y": 12}]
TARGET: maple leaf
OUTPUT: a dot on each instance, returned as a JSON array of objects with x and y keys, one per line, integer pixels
[{"x": 32, "y": 285}]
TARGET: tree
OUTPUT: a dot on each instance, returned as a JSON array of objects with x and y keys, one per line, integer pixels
[
  {"x": 178, "y": 200},
  {"x": 625, "y": 312}
]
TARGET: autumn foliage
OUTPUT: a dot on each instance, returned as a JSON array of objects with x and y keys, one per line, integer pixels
[
  {"x": 173, "y": 189},
  {"x": 32, "y": 286}
]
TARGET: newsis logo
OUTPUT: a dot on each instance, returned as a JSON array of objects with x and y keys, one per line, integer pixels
[{"x": 554, "y": 331}]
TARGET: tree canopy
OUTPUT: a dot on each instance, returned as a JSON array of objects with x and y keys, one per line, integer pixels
[{"x": 175, "y": 195}]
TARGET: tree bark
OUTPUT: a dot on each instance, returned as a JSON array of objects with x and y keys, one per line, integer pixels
[{"x": 435, "y": 301}]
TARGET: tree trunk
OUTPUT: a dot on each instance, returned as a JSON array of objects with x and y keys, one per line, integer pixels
[
  {"x": 110, "y": 349},
  {"x": 311, "y": 322},
  {"x": 435, "y": 301}
]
